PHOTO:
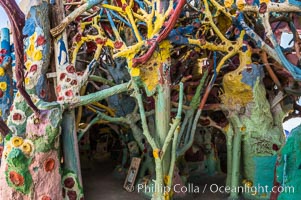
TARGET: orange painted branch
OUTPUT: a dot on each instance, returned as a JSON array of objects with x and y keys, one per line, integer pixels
[{"x": 270, "y": 70}]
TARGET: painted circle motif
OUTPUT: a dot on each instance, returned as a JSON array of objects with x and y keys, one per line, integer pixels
[
  {"x": 49, "y": 164},
  {"x": 16, "y": 178},
  {"x": 46, "y": 198},
  {"x": 69, "y": 182},
  {"x": 26, "y": 148},
  {"x": 3, "y": 86},
  {"x": 72, "y": 195},
  {"x": 17, "y": 141},
  {"x": 17, "y": 116}
]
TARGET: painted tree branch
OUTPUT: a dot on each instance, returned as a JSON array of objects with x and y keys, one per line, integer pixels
[
  {"x": 71, "y": 17},
  {"x": 175, "y": 125},
  {"x": 145, "y": 128}
]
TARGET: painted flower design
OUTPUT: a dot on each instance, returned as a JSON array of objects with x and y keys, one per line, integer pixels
[
  {"x": 26, "y": 148},
  {"x": 17, "y": 141},
  {"x": 3, "y": 86}
]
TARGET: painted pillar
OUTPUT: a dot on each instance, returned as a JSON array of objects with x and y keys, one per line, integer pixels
[
  {"x": 5, "y": 40},
  {"x": 163, "y": 120},
  {"x": 70, "y": 148},
  {"x": 6, "y": 90}
]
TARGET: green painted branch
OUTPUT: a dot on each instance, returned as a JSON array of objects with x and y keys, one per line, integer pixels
[
  {"x": 87, "y": 99},
  {"x": 146, "y": 132},
  {"x": 158, "y": 194},
  {"x": 70, "y": 147},
  {"x": 81, "y": 132},
  {"x": 197, "y": 96},
  {"x": 100, "y": 95},
  {"x": 162, "y": 116},
  {"x": 138, "y": 135},
  {"x": 162, "y": 113},
  {"x": 173, "y": 157},
  {"x": 187, "y": 135},
  {"x": 180, "y": 101},
  {"x": 229, "y": 138},
  {"x": 187, "y": 117},
  {"x": 175, "y": 123},
  {"x": 101, "y": 80},
  {"x": 182, "y": 150},
  {"x": 131, "y": 121},
  {"x": 193, "y": 105},
  {"x": 112, "y": 119},
  {"x": 236, "y": 155}
]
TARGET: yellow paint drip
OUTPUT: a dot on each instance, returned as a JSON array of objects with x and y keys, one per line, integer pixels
[
  {"x": 166, "y": 179},
  {"x": 236, "y": 92},
  {"x": 135, "y": 72},
  {"x": 156, "y": 153},
  {"x": 149, "y": 72},
  {"x": 2, "y": 71},
  {"x": 166, "y": 196}
]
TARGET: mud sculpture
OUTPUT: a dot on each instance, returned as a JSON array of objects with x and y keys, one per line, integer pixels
[{"x": 161, "y": 69}]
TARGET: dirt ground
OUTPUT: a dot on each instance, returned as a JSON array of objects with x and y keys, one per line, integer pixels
[{"x": 99, "y": 184}]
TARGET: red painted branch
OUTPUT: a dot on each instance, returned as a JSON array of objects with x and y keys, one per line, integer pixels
[
  {"x": 170, "y": 25},
  {"x": 213, "y": 107},
  {"x": 17, "y": 21},
  {"x": 205, "y": 97}
]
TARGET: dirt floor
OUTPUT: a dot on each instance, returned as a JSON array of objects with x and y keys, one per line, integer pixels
[{"x": 99, "y": 184}]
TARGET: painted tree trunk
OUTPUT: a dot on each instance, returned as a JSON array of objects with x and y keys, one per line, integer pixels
[
  {"x": 32, "y": 148},
  {"x": 256, "y": 132}
]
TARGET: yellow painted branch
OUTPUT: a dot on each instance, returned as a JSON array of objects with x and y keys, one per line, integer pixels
[
  {"x": 108, "y": 109},
  {"x": 115, "y": 8},
  {"x": 215, "y": 28}
]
